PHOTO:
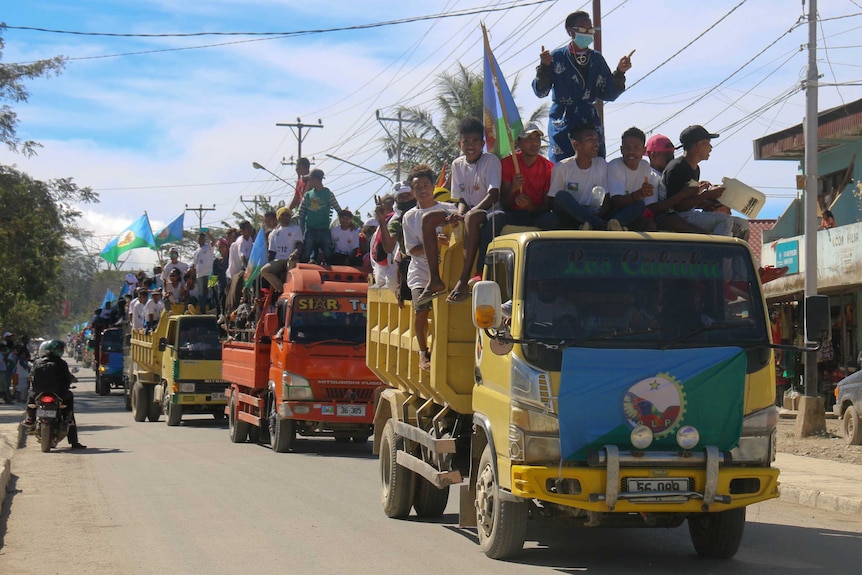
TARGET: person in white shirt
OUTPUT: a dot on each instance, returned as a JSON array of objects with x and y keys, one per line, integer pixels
[
  {"x": 421, "y": 180},
  {"x": 154, "y": 309},
  {"x": 285, "y": 246},
  {"x": 631, "y": 184},
  {"x": 175, "y": 263},
  {"x": 345, "y": 240},
  {"x": 240, "y": 251},
  {"x": 202, "y": 263},
  {"x": 137, "y": 310}
]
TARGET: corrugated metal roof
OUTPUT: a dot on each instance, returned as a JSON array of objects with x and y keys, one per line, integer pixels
[{"x": 834, "y": 127}]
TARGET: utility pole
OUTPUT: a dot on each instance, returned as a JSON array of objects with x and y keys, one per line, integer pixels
[
  {"x": 811, "y": 418},
  {"x": 597, "y": 44},
  {"x": 401, "y": 121},
  {"x": 297, "y": 131},
  {"x": 200, "y": 212},
  {"x": 257, "y": 201}
]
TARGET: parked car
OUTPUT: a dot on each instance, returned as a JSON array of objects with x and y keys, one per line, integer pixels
[{"x": 848, "y": 406}]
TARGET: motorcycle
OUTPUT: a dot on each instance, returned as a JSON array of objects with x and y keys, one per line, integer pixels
[{"x": 50, "y": 426}]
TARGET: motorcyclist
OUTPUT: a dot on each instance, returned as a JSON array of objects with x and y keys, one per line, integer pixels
[{"x": 51, "y": 374}]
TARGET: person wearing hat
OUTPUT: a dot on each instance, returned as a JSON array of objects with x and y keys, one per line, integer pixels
[
  {"x": 285, "y": 245},
  {"x": 202, "y": 266},
  {"x": 686, "y": 193},
  {"x": 524, "y": 195},
  {"x": 314, "y": 216},
  {"x": 660, "y": 151},
  {"x": 154, "y": 309},
  {"x": 345, "y": 240},
  {"x": 175, "y": 262},
  {"x": 576, "y": 77}
]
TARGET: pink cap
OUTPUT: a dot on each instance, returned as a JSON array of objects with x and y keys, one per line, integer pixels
[{"x": 659, "y": 143}]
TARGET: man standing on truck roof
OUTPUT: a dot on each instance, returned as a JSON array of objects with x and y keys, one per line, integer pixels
[
  {"x": 240, "y": 251},
  {"x": 421, "y": 180},
  {"x": 303, "y": 166},
  {"x": 202, "y": 264},
  {"x": 285, "y": 245},
  {"x": 175, "y": 263},
  {"x": 314, "y": 215},
  {"x": 137, "y": 310}
]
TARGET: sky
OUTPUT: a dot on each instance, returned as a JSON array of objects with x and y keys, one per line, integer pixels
[{"x": 164, "y": 122}]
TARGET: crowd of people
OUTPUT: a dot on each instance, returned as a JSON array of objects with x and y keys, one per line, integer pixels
[{"x": 15, "y": 365}]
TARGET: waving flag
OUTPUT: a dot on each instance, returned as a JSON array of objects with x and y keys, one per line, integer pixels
[
  {"x": 605, "y": 393},
  {"x": 172, "y": 232},
  {"x": 137, "y": 235},
  {"x": 502, "y": 119},
  {"x": 256, "y": 259},
  {"x": 109, "y": 297}
]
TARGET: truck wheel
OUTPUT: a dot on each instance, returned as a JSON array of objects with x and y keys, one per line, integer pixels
[
  {"x": 154, "y": 409},
  {"x": 501, "y": 524},
  {"x": 428, "y": 501},
  {"x": 102, "y": 386},
  {"x": 127, "y": 395},
  {"x": 852, "y": 427},
  {"x": 174, "y": 412},
  {"x": 717, "y": 535},
  {"x": 397, "y": 483},
  {"x": 281, "y": 433},
  {"x": 139, "y": 401},
  {"x": 359, "y": 438},
  {"x": 238, "y": 429}
]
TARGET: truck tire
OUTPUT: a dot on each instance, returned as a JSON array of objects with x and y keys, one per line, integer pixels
[
  {"x": 501, "y": 524},
  {"x": 154, "y": 409},
  {"x": 173, "y": 412},
  {"x": 127, "y": 395},
  {"x": 852, "y": 426},
  {"x": 717, "y": 535},
  {"x": 397, "y": 483},
  {"x": 238, "y": 429},
  {"x": 102, "y": 387},
  {"x": 428, "y": 501},
  {"x": 140, "y": 404},
  {"x": 281, "y": 434}
]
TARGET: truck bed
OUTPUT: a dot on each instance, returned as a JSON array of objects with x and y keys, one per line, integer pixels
[{"x": 246, "y": 363}]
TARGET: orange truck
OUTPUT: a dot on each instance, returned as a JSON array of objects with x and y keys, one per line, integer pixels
[{"x": 303, "y": 370}]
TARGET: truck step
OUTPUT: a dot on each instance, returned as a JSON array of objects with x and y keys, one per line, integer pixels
[
  {"x": 422, "y": 437},
  {"x": 439, "y": 479}
]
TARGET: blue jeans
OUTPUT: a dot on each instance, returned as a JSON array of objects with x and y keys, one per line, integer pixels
[
  {"x": 317, "y": 240},
  {"x": 570, "y": 210}
]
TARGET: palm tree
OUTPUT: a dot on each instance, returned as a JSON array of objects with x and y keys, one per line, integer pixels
[{"x": 459, "y": 95}]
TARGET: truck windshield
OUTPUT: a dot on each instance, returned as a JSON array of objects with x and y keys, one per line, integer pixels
[
  {"x": 112, "y": 341},
  {"x": 198, "y": 339},
  {"x": 336, "y": 326},
  {"x": 645, "y": 293}
]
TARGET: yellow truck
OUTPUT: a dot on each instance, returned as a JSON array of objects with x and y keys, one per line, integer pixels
[
  {"x": 176, "y": 369},
  {"x": 609, "y": 379}
]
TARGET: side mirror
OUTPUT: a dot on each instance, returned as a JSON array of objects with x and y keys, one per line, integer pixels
[
  {"x": 817, "y": 318},
  {"x": 270, "y": 324},
  {"x": 163, "y": 344},
  {"x": 487, "y": 307}
]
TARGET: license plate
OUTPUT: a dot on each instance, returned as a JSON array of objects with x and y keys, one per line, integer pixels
[
  {"x": 42, "y": 412},
  {"x": 350, "y": 410},
  {"x": 217, "y": 396},
  {"x": 638, "y": 485}
]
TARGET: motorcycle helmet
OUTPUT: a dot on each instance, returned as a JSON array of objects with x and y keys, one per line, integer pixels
[{"x": 52, "y": 348}]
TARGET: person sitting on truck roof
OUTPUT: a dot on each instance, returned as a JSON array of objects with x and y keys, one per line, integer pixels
[
  {"x": 421, "y": 180},
  {"x": 631, "y": 184},
  {"x": 576, "y": 179},
  {"x": 345, "y": 241},
  {"x": 317, "y": 205},
  {"x": 524, "y": 195},
  {"x": 660, "y": 151},
  {"x": 476, "y": 188},
  {"x": 175, "y": 290},
  {"x": 284, "y": 248}
]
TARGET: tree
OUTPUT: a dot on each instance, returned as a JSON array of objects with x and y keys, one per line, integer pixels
[
  {"x": 12, "y": 89},
  {"x": 459, "y": 95}
]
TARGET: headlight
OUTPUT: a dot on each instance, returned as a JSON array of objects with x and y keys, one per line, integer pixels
[
  {"x": 187, "y": 388},
  {"x": 299, "y": 393},
  {"x": 687, "y": 437},
  {"x": 534, "y": 421},
  {"x": 295, "y": 386},
  {"x": 641, "y": 437},
  {"x": 760, "y": 422}
]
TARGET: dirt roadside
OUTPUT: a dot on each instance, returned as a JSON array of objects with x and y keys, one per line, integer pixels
[{"x": 831, "y": 445}]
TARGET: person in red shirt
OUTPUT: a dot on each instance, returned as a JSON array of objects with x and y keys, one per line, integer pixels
[
  {"x": 303, "y": 166},
  {"x": 524, "y": 195}
]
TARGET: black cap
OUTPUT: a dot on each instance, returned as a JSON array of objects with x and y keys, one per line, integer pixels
[
  {"x": 694, "y": 134},
  {"x": 316, "y": 173}
]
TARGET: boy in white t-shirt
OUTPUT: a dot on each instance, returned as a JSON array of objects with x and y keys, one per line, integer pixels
[
  {"x": 631, "y": 184},
  {"x": 345, "y": 240},
  {"x": 421, "y": 179},
  {"x": 285, "y": 246},
  {"x": 476, "y": 187}
]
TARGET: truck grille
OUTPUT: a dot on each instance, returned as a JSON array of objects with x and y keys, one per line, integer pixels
[{"x": 349, "y": 393}]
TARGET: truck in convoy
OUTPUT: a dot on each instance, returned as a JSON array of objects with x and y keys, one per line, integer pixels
[
  {"x": 176, "y": 369},
  {"x": 609, "y": 379},
  {"x": 303, "y": 369},
  {"x": 108, "y": 361}
]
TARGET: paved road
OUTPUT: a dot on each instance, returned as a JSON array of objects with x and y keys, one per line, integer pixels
[{"x": 145, "y": 498}]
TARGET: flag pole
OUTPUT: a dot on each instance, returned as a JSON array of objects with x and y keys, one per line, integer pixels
[{"x": 493, "y": 62}]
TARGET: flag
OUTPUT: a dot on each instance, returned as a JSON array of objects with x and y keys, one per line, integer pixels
[
  {"x": 137, "y": 235},
  {"x": 172, "y": 232},
  {"x": 502, "y": 119},
  {"x": 605, "y": 393},
  {"x": 256, "y": 259},
  {"x": 109, "y": 297}
]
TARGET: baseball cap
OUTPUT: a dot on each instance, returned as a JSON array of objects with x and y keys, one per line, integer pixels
[
  {"x": 345, "y": 212},
  {"x": 659, "y": 143},
  {"x": 694, "y": 134},
  {"x": 316, "y": 173},
  {"x": 401, "y": 188},
  {"x": 281, "y": 211},
  {"x": 531, "y": 127},
  {"x": 8, "y": 334}
]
